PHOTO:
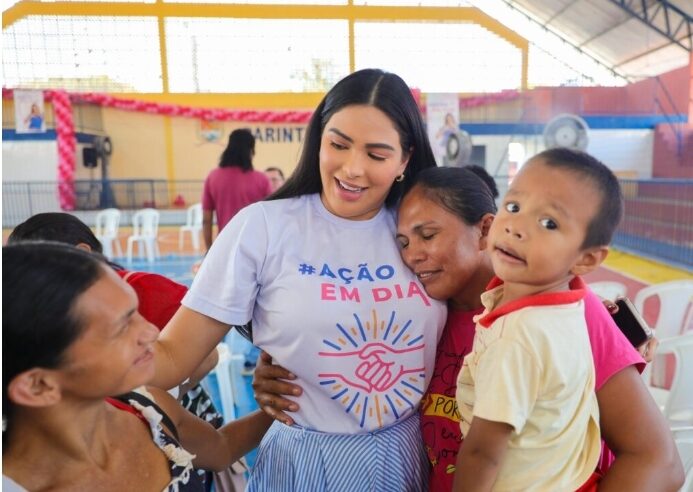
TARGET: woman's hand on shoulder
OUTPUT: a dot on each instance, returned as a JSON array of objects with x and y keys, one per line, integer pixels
[
  {"x": 214, "y": 449},
  {"x": 194, "y": 434},
  {"x": 269, "y": 384}
]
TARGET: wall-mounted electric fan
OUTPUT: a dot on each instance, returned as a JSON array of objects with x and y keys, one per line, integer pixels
[
  {"x": 566, "y": 130},
  {"x": 458, "y": 149}
]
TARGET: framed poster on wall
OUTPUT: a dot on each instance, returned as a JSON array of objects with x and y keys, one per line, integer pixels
[
  {"x": 29, "y": 112},
  {"x": 442, "y": 121}
]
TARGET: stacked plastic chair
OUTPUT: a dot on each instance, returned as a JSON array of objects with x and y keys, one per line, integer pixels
[
  {"x": 193, "y": 225},
  {"x": 107, "y": 224},
  {"x": 145, "y": 232}
]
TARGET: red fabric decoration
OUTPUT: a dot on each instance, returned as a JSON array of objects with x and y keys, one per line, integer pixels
[{"x": 65, "y": 129}]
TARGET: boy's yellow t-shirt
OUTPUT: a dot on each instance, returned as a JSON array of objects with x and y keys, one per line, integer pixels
[{"x": 532, "y": 368}]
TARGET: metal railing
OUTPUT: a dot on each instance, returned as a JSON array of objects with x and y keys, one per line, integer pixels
[
  {"x": 658, "y": 220},
  {"x": 22, "y": 199}
]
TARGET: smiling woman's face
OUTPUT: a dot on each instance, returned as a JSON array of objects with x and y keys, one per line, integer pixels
[
  {"x": 442, "y": 250},
  {"x": 113, "y": 354},
  {"x": 360, "y": 157}
]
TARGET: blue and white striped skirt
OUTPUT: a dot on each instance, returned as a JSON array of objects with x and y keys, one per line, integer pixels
[{"x": 294, "y": 459}]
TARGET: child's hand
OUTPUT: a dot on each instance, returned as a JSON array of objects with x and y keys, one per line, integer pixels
[
  {"x": 648, "y": 350},
  {"x": 610, "y": 306}
]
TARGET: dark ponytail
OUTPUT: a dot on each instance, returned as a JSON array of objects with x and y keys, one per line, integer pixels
[{"x": 459, "y": 190}]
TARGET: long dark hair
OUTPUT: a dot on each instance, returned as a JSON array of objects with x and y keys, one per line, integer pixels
[
  {"x": 372, "y": 87},
  {"x": 55, "y": 226},
  {"x": 239, "y": 151},
  {"x": 459, "y": 190},
  {"x": 40, "y": 283}
]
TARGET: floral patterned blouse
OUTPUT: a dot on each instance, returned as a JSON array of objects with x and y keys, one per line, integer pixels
[
  {"x": 141, "y": 403},
  {"x": 183, "y": 477}
]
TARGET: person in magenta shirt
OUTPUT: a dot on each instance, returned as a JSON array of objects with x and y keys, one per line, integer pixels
[
  {"x": 233, "y": 185},
  {"x": 442, "y": 225}
]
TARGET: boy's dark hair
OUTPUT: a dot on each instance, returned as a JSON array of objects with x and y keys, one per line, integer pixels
[
  {"x": 55, "y": 226},
  {"x": 486, "y": 177},
  {"x": 459, "y": 190},
  {"x": 368, "y": 87},
  {"x": 239, "y": 151},
  {"x": 610, "y": 210}
]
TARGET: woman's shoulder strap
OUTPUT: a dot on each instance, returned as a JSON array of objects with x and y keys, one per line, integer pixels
[{"x": 147, "y": 402}]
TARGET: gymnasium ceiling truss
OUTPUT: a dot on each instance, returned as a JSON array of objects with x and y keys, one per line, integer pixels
[
  {"x": 578, "y": 47},
  {"x": 676, "y": 23},
  {"x": 635, "y": 38}
]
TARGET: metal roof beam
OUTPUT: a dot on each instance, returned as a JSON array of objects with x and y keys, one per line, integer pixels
[
  {"x": 578, "y": 48},
  {"x": 559, "y": 12},
  {"x": 640, "y": 55},
  {"x": 603, "y": 32},
  {"x": 675, "y": 19}
]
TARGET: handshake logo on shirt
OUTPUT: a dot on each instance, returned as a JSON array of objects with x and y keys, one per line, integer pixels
[{"x": 374, "y": 367}]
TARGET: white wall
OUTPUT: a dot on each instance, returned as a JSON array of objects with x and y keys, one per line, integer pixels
[
  {"x": 627, "y": 152},
  {"x": 29, "y": 160},
  {"x": 34, "y": 161},
  {"x": 496, "y": 157}
]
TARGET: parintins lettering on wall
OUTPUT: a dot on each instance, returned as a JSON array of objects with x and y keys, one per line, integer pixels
[
  {"x": 278, "y": 134},
  {"x": 213, "y": 132}
]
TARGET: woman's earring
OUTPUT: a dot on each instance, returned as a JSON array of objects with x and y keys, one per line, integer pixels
[{"x": 400, "y": 178}]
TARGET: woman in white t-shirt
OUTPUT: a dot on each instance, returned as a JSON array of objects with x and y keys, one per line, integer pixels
[{"x": 317, "y": 271}]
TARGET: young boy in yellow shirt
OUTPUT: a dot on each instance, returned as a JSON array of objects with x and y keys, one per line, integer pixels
[{"x": 530, "y": 418}]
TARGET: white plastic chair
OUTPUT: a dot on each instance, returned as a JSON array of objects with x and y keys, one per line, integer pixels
[
  {"x": 193, "y": 225},
  {"x": 674, "y": 304},
  {"x": 677, "y": 403},
  {"x": 683, "y": 437},
  {"x": 229, "y": 379},
  {"x": 674, "y": 298},
  {"x": 608, "y": 289},
  {"x": 145, "y": 231},
  {"x": 107, "y": 223}
]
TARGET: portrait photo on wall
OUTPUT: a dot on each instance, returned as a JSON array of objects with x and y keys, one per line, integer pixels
[
  {"x": 442, "y": 115},
  {"x": 29, "y": 112}
]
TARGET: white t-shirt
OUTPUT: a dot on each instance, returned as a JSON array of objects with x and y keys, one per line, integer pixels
[
  {"x": 330, "y": 300},
  {"x": 9, "y": 485},
  {"x": 531, "y": 367}
]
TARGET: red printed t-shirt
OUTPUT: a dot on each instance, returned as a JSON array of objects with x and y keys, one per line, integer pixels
[
  {"x": 159, "y": 296},
  {"x": 440, "y": 428},
  {"x": 440, "y": 420},
  {"x": 228, "y": 189}
]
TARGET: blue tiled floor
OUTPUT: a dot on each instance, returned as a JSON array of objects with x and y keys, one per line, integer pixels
[{"x": 175, "y": 267}]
